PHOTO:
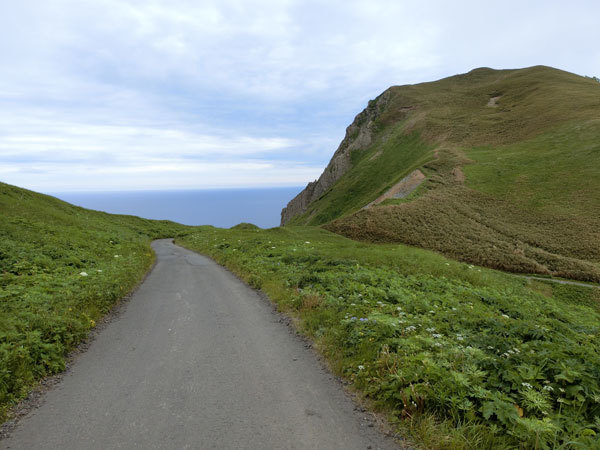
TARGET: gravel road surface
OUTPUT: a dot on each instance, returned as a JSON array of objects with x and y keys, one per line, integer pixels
[{"x": 197, "y": 360}]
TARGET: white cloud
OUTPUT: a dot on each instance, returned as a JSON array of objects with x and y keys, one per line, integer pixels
[{"x": 126, "y": 86}]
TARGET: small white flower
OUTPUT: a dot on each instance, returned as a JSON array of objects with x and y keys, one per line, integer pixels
[
  {"x": 460, "y": 338},
  {"x": 273, "y": 247},
  {"x": 527, "y": 385},
  {"x": 548, "y": 388},
  {"x": 307, "y": 242},
  {"x": 505, "y": 316},
  {"x": 431, "y": 330},
  {"x": 83, "y": 274},
  {"x": 436, "y": 336},
  {"x": 454, "y": 309},
  {"x": 117, "y": 256},
  {"x": 437, "y": 344},
  {"x": 99, "y": 270},
  {"x": 361, "y": 367}
]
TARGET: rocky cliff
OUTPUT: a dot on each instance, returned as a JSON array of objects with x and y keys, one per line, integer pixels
[{"x": 358, "y": 136}]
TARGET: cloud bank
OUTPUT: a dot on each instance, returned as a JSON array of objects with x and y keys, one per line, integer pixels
[{"x": 127, "y": 94}]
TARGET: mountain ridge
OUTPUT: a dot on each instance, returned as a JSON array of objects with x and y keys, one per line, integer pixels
[{"x": 538, "y": 127}]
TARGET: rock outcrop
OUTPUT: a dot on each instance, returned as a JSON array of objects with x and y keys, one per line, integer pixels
[{"x": 359, "y": 135}]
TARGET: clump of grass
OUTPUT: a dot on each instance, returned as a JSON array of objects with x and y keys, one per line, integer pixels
[
  {"x": 460, "y": 356},
  {"x": 61, "y": 268}
]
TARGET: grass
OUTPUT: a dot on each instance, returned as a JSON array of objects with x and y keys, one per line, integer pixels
[
  {"x": 61, "y": 269},
  {"x": 456, "y": 355},
  {"x": 528, "y": 201}
]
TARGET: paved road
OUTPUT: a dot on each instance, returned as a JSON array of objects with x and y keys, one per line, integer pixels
[{"x": 196, "y": 361}]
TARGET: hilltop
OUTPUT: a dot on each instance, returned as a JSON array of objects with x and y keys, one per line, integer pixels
[{"x": 494, "y": 167}]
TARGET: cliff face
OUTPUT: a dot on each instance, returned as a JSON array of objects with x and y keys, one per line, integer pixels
[{"x": 359, "y": 135}]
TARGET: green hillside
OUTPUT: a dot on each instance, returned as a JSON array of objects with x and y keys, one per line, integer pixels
[
  {"x": 61, "y": 268},
  {"x": 512, "y": 166}
]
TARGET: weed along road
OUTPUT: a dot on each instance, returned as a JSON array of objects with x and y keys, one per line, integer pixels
[{"x": 196, "y": 360}]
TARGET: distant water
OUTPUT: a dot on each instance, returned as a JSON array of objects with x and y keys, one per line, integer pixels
[{"x": 221, "y": 208}]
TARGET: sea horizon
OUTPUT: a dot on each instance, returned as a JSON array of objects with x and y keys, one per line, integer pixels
[{"x": 223, "y": 207}]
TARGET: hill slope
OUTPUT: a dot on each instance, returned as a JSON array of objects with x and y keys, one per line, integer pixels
[
  {"x": 61, "y": 268},
  {"x": 495, "y": 167}
]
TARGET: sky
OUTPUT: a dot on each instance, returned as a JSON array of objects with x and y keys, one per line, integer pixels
[{"x": 112, "y": 95}]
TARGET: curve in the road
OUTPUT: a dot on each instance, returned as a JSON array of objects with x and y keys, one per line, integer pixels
[{"x": 196, "y": 361}]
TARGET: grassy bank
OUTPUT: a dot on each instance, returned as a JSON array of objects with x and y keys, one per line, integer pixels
[
  {"x": 458, "y": 356},
  {"x": 61, "y": 268}
]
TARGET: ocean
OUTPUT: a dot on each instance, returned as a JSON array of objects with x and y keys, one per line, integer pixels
[{"x": 222, "y": 208}]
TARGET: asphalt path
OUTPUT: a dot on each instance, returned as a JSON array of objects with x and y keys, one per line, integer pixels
[{"x": 197, "y": 360}]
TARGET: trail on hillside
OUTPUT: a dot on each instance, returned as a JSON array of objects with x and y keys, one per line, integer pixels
[{"x": 197, "y": 360}]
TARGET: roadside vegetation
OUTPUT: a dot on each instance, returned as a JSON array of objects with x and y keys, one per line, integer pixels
[
  {"x": 61, "y": 269},
  {"x": 456, "y": 355}
]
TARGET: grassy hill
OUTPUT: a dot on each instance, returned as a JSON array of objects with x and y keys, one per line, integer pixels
[
  {"x": 512, "y": 166},
  {"x": 61, "y": 268}
]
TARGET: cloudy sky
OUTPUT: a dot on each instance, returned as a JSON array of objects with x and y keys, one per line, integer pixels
[{"x": 131, "y": 95}]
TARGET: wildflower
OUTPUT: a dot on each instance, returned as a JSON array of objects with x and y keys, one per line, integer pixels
[
  {"x": 410, "y": 328},
  {"x": 398, "y": 308},
  {"x": 352, "y": 318},
  {"x": 363, "y": 319},
  {"x": 436, "y": 336},
  {"x": 437, "y": 344},
  {"x": 273, "y": 247},
  {"x": 447, "y": 264},
  {"x": 460, "y": 338},
  {"x": 527, "y": 385},
  {"x": 432, "y": 312},
  {"x": 307, "y": 242},
  {"x": 99, "y": 270},
  {"x": 454, "y": 309},
  {"x": 117, "y": 256},
  {"x": 548, "y": 388},
  {"x": 83, "y": 274},
  {"x": 361, "y": 367},
  {"x": 430, "y": 330},
  {"x": 352, "y": 304},
  {"x": 505, "y": 316}
]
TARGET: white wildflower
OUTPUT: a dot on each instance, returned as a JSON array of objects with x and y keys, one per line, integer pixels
[
  {"x": 83, "y": 274},
  {"x": 505, "y": 316},
  {"x": 527, "y": 385},
  {"x": 548, "y": 388},
  {"x": 361, "y": 367}
]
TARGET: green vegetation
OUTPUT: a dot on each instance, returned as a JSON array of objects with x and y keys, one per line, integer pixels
[
  {"x": 61, "y": 268},
  {"x": 512, "y": 184},
  {"x": 456, "y": 355}
]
